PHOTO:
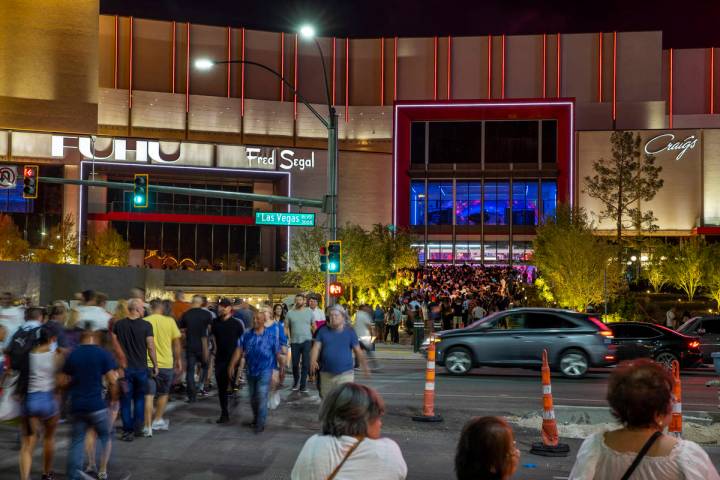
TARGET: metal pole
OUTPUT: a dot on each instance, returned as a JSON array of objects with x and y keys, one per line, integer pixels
[
  {"x": 331, "y": 204},
  {"x": 605, "y": 287}
]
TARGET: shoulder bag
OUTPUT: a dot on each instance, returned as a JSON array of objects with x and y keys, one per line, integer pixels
[
  {"x": 342, "y": 462},
  {"x": 643, "y": 451}
]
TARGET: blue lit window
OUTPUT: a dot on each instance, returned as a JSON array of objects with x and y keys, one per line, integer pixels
[
  {"x": 12, "y": 201},
  {"x": 440, "y": 203},
  {"x": 468, "y": 202},
  {"x": 417, "y": 202},
  {"x": 497, "y": 203},
  {"x": 525, "y": 202},
  {"x": 549, "y": 198}
]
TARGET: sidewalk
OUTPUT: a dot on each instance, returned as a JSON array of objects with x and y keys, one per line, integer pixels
[{"x": 391, "y": 351}]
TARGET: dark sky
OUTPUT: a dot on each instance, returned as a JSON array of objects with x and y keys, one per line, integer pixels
[{"x": 685, "y": 23}]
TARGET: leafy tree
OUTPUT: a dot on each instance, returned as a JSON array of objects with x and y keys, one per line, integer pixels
[
  {"x": 12, "y": 245},
  {"x": 107, "y": 248},
  {"x": 624, "y": 180},
  {"x": 305, "y": 259},
  {"x": 572, "y": 260},
  {"x": 62, "y": 246},
  {"x": 655, "y": 270},
  {"x": 712, "y": 275},
  {"x": 685, "y": 265}
]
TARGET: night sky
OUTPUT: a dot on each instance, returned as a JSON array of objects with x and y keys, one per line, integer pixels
[{"x": 685, "y": 23}]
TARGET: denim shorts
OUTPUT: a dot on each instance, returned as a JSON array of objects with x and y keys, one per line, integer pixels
[
  {"x": 41, "y": 404},
  {"x": 160, "y": 384}
]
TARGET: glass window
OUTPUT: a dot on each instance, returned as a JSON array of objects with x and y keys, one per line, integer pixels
[
  {"x": 170, "y": 239},
  {"x": 515, "y": 142},
  {"x": 467, "y": 203},
  {"x": 549, "y": 142},
  {"x": 512, "y": 321},
  {"x": 522, "y": 251},
  {"x": 525, "y": 202},
  {"x": 440, "y": 203},
  {"x": 417, "y": 143},
  {"x": 440, "y": 251},
  {"x": 497, "y": 203},
  {"x": 546, "y": 320},
  {"x": 417, "y": 202},
  {"x": 549, "y": 198},
  {"x": 503, "y": 251},
  {"x": 462, "y": 252},
  {"x": 475, "y": 252},
  {"x": 455, "y": 142}
]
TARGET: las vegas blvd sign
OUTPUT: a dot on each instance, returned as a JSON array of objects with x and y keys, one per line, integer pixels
[{"x": 285, "y": 219}]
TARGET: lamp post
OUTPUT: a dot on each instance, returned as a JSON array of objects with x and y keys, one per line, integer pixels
[{"x": 330, "y": 123}]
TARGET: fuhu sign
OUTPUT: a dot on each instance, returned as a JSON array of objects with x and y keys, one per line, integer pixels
[{"x": 668, "y": 142}]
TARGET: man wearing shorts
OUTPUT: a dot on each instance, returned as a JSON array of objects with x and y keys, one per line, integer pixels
[{"x": 167, "y": 349}]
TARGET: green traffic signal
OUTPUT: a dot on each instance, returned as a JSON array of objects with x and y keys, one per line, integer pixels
[
  {"x": 140, "y": 190},
  {"x": 334, "y": 261}
]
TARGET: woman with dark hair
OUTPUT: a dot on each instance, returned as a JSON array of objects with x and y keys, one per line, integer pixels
[
  {"x": 486, "y": 450},
  {"x": 640, "y": 397},
  {"x": 350, "y": 446}
]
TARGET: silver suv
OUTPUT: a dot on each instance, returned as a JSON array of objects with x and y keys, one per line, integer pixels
[{"x": 516, "y": 338}]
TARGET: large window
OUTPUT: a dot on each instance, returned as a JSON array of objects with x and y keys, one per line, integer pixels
[
  {"x": 440, "y": 203},
  {"x": 549, "y": 142},
  {"x": 549, "y": 198},
  {"x": 417, "y": 142},
  {"x": 515, "y": 142},
  {"x": 468, "y": 203},
  {"x": 525, "y": 202},
  {"x": 497, "y": 202},
  {"x": 455, "y": 142},
  {"x": 417, "y": 202}
]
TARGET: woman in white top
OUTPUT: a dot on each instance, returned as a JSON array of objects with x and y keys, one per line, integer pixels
[
  {"x": 640, "y": 396},
  {"x": 350, "y": 445}
]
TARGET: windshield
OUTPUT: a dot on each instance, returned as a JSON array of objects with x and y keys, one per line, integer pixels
[
  {"x": 486, "y": 319},
  {"x": 687, "y": 325}
]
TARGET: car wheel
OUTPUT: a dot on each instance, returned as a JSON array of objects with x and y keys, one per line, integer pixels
[
  {"x": 574, "y": 363},
  {"x": 458, "y": 361},
  {"x": 665, "y": 359}
]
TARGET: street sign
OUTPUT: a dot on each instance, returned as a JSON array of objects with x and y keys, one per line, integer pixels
[
  {"x": 336, "y": 289},
  {"x": 285, "y": 219}
]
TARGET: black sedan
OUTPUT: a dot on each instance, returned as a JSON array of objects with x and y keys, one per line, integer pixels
[{"x": 645, "y": 340}]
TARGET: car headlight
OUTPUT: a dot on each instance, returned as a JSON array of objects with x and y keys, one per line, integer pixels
[{"x": 426, "y": 342}]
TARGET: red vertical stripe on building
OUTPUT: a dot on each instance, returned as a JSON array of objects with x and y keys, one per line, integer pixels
[
  {"x": 242, "y": 74},
  {"x": 670, "y": 88},
  {"x": 347, "y": 79},
  {"x": 600, "y": 67},
  {"x": 282, "y": 65},
  {"x": 295, "y": 73},
  {"x": 449, "y": 68},
  {"x": 395, "y": 69},
  {"x": 435, "y": 67},
  {"x": 614, "y": 86},
  {"x": 558, "y": 60},
  {"x": 712, "y": 80},
  {"x": 229, "y": 57},
  {"x": 130, "y": 65},
  {"x": 382, "y": 71},
  {"x": 187, "y": 67},
  {"x": 117, "y": 53},
  {"x": 489, "y": 80},
  {"x": 544, "y": 67},
  {"x": 333, "y": 71},
  {"x": 502, "y": 69},
  {"x": 174, "y": 55}
]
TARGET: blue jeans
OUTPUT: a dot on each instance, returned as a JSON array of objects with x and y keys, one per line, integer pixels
[
  {"x": 191, "y": 360},
  {"x": 133, "y": 394},
  {"x": 258, "y": 388},
  {"x": 81, "y": 423}
]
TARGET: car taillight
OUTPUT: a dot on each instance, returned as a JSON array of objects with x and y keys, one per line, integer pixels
[
  {"x": 694, "y": 344},
  {"x": 606, "y": 333}
]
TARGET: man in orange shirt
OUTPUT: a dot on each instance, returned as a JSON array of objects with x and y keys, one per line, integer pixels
[{"x": 179, "y": 306}]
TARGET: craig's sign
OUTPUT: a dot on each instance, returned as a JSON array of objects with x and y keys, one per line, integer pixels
[
  {"x": 182, "y": 153},
  {"x": 667, "y": 142}
]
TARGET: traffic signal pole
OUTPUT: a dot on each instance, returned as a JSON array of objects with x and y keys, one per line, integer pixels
[{"x": 331, "y": 199}]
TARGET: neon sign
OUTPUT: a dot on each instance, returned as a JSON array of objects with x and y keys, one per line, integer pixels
[{"x": 666, "y": 142}]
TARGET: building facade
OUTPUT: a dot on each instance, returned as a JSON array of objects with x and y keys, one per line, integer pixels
[{"x": 469, "y": 142}]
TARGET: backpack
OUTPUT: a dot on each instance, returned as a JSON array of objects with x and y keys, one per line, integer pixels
[{"x": 18, "y": 353}]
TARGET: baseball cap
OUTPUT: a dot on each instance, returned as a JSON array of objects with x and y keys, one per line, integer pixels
[{"x": 225, "y": 302}]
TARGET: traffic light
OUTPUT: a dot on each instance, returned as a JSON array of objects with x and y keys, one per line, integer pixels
[
  {"x": 323, "y": 259},
  {"x": 140, "y": 190},
  {"x": 334, "y": 262},
  {"x": 30, "y": 181}
]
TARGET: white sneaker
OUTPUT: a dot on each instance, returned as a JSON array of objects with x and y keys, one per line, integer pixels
[
  {"x": 161, "y": 424},
  {"x": 147, "y": 432}
]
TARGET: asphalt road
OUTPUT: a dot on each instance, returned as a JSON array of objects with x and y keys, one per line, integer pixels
[{"x": 196, "y": 448}]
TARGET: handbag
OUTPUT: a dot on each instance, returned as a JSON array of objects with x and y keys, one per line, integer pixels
[
  {"x": 643, "y": 451},
  {"x": 10, "y": 407},
  {"x": 342, "y": 462}
]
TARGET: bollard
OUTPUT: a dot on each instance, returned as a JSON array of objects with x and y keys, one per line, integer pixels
[
  {"x": 550, "y": 445},
  {"x": 419, "y": 335},
  {"x": 428, "y": 414},
  {"x": 675, "y": 427}
]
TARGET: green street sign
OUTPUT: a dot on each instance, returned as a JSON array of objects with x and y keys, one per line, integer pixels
[{"x": 285, "y": 219}]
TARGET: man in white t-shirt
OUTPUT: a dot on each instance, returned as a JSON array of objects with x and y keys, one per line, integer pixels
[
  {"x": 671, "y": 317},
  {"x": 90, "y": 315},
  {"x": 478, "y": 312},
  {"x": 318, "y": 316},
  {"x": 11, "y": 318}
]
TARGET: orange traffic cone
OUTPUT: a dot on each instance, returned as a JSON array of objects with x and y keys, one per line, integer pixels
[
  {"x": 550, "y": 445},
  {"x": 428, "y": 414},
  {"x": 675, "y": 427}
]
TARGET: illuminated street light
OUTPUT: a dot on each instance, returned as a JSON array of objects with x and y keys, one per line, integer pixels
[
  {"x": 204, "y": 64},
  {"x": 307, "y": 31},
  {"x": 643, "y": 258},
  {"x": 633, "y": 258}
]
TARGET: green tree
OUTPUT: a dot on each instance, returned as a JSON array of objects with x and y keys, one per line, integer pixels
[
  {"x": 62, "y": 244},
  {"x": 305, "y": 259},
  {"x": 686, "y": 264},
  {"x": 572, "y": 261},
  {"x": 655, "y": 269},
  {"x": 622, "y": 182},
  {"x": 107, "y": 248},
  {"x": 712, "y": 275},
  {"x": 12, "y": 245}
]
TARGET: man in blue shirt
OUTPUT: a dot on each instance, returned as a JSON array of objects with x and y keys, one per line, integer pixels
[
  {"x": 261, "y": 349},
  {"x": 332, "y": 352},
  {"x": 84, "y": 371}
]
